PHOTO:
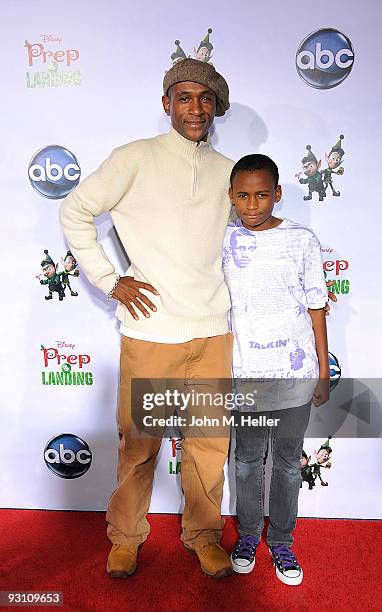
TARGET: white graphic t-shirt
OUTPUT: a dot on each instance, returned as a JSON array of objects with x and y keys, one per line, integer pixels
[{"x": 273, "y": 277}]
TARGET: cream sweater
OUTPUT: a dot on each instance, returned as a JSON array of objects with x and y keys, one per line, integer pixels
[{"x": 168, "y": 200}]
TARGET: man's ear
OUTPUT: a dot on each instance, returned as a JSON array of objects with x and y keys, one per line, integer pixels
[{"x": 166, "y": 104}]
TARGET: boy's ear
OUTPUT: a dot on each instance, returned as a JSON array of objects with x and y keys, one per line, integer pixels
[
  {"x": 230, "y": 194},
  {"x": 278, "y": 193}
]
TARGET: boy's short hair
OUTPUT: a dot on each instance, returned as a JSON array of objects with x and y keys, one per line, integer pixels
[{"x": 250, "y": 163}]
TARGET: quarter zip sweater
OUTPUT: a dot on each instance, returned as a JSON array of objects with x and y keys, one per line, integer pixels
[{"x": 168, "y": 198}]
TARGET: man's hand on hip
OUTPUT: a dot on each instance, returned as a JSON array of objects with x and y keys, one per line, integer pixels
[{"x": 128, "y": 293}]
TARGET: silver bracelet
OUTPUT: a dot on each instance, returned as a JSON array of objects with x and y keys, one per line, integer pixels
[{"x": 110, "y": 294}]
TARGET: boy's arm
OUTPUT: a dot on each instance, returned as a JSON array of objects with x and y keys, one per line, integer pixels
[
  {"x": 321, "y": 392},
  {"x": 317, "y": 296}
]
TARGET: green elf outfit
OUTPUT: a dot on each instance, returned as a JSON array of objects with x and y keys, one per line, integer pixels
[
  {"x": 65, "y": 275},
  {"x": 327, "y": 173},
  {"x": 314, "y": 182},
  {"x": 325, "y": 464},
  {"x": 54, "y": 282},
  {"x": 307, "y": 472}
]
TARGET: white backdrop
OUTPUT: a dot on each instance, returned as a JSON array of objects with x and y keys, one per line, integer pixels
[{"x": 98, "y": 86}]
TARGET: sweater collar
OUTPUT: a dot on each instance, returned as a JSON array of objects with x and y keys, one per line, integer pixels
[{"x": 188, "y": 148}]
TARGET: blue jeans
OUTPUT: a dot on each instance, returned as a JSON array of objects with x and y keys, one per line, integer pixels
[{"x": 251, "y": 452}]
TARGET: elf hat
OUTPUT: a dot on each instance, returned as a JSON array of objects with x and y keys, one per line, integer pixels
[
  {"x": 206, "y": 41},
  {"x": 178, "y": 54},
  {"x": 48, "y": 261},
  {"x": 310, "y": 157},
  {"x": 325, "y": 445},
  {"x": 69, "y": 254},
  {"x": 337, "y": 148}
]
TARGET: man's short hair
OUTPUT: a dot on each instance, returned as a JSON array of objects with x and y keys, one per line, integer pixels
[{"x": 251, "y": 163}]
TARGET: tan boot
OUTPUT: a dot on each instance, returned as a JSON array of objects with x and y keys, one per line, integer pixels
[
  {"x": 122, "y": 561},
  {"x": 214, "y": 560}
]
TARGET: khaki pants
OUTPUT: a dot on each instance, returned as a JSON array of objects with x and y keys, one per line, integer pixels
[{"x": 203, "y": 457}]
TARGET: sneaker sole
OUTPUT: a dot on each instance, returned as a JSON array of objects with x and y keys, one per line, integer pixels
[
  {"x": 285, "y": 579},
  {"x": 289, "y": 581},
  {"x": 243, "y": 569}
]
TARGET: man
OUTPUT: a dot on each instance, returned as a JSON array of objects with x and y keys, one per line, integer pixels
[
  {"x": 168, "y": 199},
  {"x": 243, "y": 247}
]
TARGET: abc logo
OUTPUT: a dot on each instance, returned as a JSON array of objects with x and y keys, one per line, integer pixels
[
  {"x": 54, "y": 172},
  {"x": 335, "y": 371},
  {"x": 325, "y": 58},
  {"x": 67, "y": 456}
]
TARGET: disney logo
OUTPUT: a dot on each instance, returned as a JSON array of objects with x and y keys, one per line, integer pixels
[{"x": 47, "y": 38}]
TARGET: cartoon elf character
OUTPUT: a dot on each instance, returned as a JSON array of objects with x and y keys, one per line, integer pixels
[
  {"x": 306, "y": 470},
  {"x": 53, "y": 280},
  {"x": 70, "y": 264},
  {"x": 178, "y": 54},
  {"x": 314, "y": 178},
  {"x": 334, "y": 160},
  {"x": 322, "y": 460},
  {"x": 203, "y": 53}
]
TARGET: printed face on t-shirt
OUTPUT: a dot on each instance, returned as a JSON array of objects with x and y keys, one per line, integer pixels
[{"x": 243, "y": 248}]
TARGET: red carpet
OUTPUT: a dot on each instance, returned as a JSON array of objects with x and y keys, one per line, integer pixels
[{"x": 66, "y": 551}]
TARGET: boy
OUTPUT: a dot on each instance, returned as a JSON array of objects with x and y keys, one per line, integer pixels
[{"x": 278, "y": 320}]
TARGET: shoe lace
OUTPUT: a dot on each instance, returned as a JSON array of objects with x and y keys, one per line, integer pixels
[
  {"x": 246, "y": 546},
  {"x": 285, "y": 557}
]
